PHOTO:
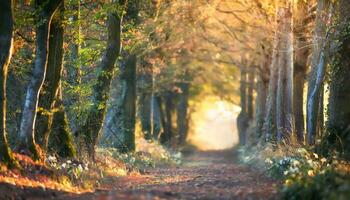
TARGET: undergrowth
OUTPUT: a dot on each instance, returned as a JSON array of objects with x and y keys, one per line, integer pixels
[
  {"x": 75, "y": 176},
  {"x": 305, "y": 174}
]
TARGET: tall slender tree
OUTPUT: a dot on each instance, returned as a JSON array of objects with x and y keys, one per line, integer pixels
[
  {"x": 284, "y": 97},
  {"x": 317, "y": 64},
  {"x": 6, "y": 45},
  {"x": 339, "y": 109},
  {"x": 50, "y": 97},
  {"x": 90, "y": 130},
  {"x": 45, "y": 10},
  {"x": 300, "y": 66}
]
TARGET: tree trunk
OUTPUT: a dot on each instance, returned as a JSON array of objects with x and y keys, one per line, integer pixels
[
  {"x": 300, "y": 66},
  {"x": 270, "y": 114},
  {"x": 182, "y": 110},
  {"x": 51, "y": 117},
  {"x": 262, "y": 87},
  {"x": 284, "y": 101},
  {"x": 6, "y": 42},
  {"x": 243, "y": 118},
  {"x": 339, "y": 109},
  {"x": 145, "y": 99},
  {"x": 317, "y": 70},
  {"x": 250, "y": 97},
  {"x": 156, "y": 118},
  {"x": 52, "y": 80},
  {"x": 167, "y": 115},
  {"x": 61, "y": 138},
  {"x": 128, "y": 106},
  {"x": 92, "y": 126},
  {"x": 46, "y": 9}
]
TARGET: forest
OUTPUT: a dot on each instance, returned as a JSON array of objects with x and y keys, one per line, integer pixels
[{"x": 175, "y": 99}]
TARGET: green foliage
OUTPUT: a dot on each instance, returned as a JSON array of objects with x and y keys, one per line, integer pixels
[
  {"x": 306, "y": 175},
  {"x": 326, "y": 185},
  {"x": 301, "y": 164}
]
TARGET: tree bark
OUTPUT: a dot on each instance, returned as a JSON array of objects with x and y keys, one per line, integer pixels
[
  {"x": 145, "y": 99},
  {"x": 46, "y": 10},
  {"x": 270, "y": 114},
  {"x": 51, "y": 117},
  {"x": 317, "y": 70},
  {"x": 61, "y": 138},
  {"x": 128, "y": 105},
  {"x": 339, "y": 109},
  {"x": 6, "y": 45},
  {"x": 284, "y": 101},
  {"x": 262, "y": 89},
  {"x": 250, "y": 95},
  {"x": 90, "y": 130},
  {"x": 182, "y": 110},
  {"x": 243, "y": 118},
  {"x": 167, "y": 115},
  {"x": 156, "y": 118},
  {"x": 51, "y": 84},
  {"x": 300, "y": 66}
]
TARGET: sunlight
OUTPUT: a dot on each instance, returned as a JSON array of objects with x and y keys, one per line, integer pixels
[{"x": 214, "y": 127}]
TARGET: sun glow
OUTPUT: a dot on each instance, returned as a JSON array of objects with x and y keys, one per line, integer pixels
[{"x": 214, "y": 127}]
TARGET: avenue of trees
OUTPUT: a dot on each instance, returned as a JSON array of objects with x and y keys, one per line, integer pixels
[
  {"x": 300, "y": 76},
  {"x": 76, "y": 74},
  {"x": 88, "y": 70}
]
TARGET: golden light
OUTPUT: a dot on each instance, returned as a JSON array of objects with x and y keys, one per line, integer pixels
[{"x": 214, "y": 127}]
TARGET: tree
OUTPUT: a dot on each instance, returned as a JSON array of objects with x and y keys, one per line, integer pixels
[
  {"x": 262, "y": 89},
  {"x": 243, "y": 118},
  {"x": 6, "y": 42},
  {"x": 46, "y": 10},
  {"x": 145, "y": 98},
  {"x": 182, "y": 112},
  {"x": 284, "y": 96},
  {"x": 90, "y": 130},
  {"x": 270, "y": 114},
  {"x": 339, "y": 109},
  {"x": 300, "y": 66},
  {"x": 50, "y": 100},
  {"x": 315, "y": 95}
]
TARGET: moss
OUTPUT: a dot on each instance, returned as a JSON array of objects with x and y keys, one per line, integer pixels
[
  {"x": 61, "y": 141},
  {"x": 7, "y": 157}
]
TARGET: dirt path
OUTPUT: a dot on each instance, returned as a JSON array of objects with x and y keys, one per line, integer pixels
[{"x": 204, "y": 175}]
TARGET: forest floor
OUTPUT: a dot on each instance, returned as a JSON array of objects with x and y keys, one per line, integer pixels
[{"x": 203, "y": 175}]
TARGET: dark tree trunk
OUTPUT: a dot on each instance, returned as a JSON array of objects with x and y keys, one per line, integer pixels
[
  {"x": 182, "y": 112},
  {"x": 51, "y": 115},
  {"x": 300, "y": 67},
  {"x": 6, "y": 42},
  {"x": 339, "y": 108},
  {"x": 52, "y": 80},
  {"x": 262, "y": 87},
  {"x": 242, "y": 118},
  {"x": 167, "y": 116},
  {"x": 128, "y": 104},
  {"x": 145, "y": 99},
  {"x": 250, "y": 95},
  {"x": 61, "y": 138},
  {"x": 92, "y": 126},
  {"x": 46, "y": 9}
]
